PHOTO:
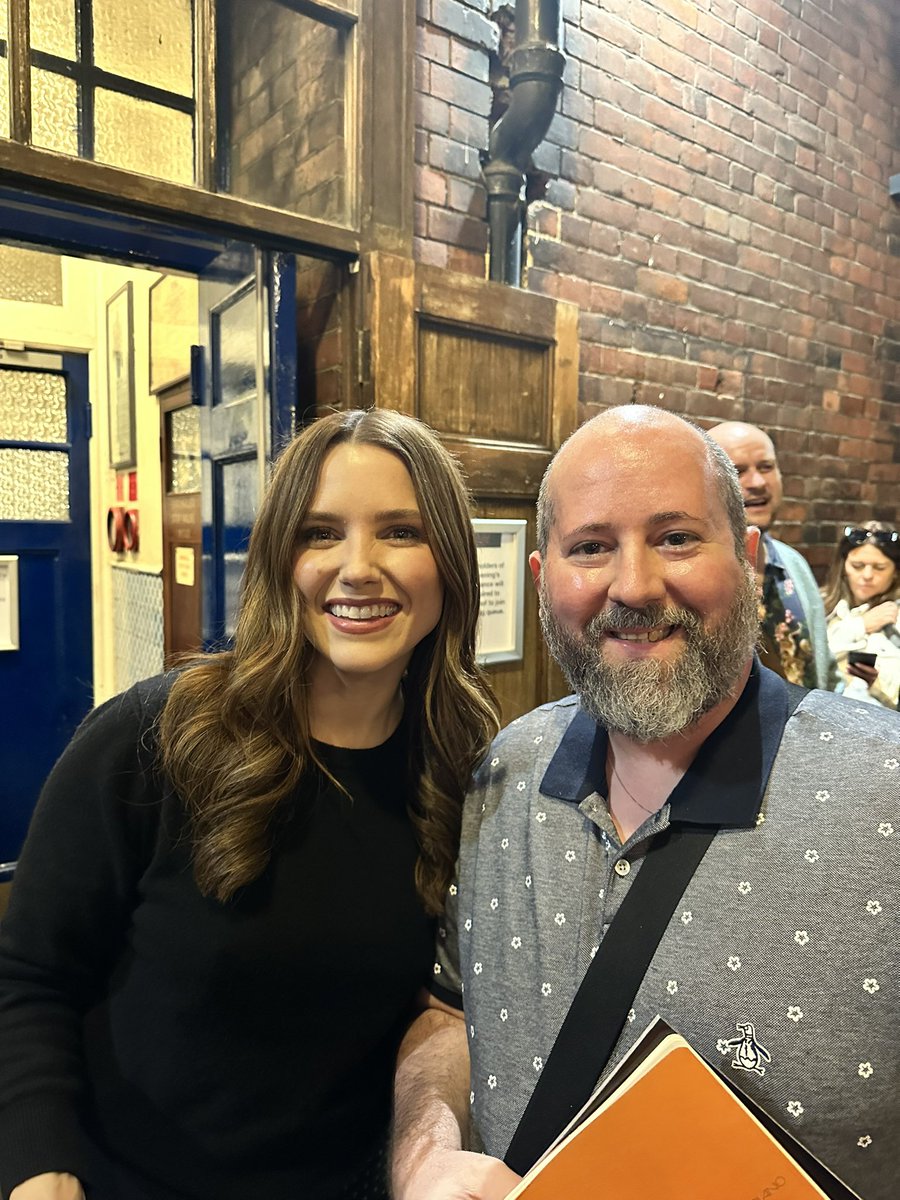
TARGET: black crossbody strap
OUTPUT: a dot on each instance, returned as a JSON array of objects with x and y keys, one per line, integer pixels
[{"x": 598, "y": 1012}]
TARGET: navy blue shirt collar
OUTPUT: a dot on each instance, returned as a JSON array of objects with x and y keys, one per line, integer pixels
[{"x": 725, "y": 783}]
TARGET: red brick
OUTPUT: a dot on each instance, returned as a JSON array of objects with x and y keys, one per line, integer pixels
[
  {"x": 742, "y": 149},
  {"x": 431, "y": 186}
]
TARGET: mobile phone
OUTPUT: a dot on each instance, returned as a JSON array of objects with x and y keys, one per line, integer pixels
[{"x": 861, "y": 656}]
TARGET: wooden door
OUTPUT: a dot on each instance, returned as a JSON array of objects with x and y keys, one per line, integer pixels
[
  {"x": 182, "y": 528},
  {"x": 494, "y": 370}
]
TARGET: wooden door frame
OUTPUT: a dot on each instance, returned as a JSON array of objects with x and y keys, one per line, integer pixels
[
  {"x": 174, "y": 396},
  {"x": 401, "y": 299},
  {"x": 401, "y": 291}
]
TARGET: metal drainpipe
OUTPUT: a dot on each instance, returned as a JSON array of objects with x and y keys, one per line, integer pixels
[{"x": 535, "y": 78}]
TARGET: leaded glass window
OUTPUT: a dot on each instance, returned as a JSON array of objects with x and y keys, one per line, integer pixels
[
  {"x": 113, "y": 80},
  {"x": 258, "y": 100},
  {"x": 34, "y": 454}
]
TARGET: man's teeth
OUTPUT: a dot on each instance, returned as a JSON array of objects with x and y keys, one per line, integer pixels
[
  {"x": 365, "y": 612},
  {"x": 642, "y": 635}
]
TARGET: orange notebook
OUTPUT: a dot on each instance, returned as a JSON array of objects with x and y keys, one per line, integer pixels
[{"x": 671, "y": 1130}]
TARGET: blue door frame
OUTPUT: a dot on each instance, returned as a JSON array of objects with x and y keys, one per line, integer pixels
[
  {"x": 70, "y": 227},
  {"x": 46, "y": 686},
  {"x": 240, "y": 290}
]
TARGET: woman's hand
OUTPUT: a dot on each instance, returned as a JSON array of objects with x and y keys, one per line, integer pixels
[
  {"x": 860, "y": 670},
  {"x": 49, "y": 1186},
  {"x": 882, "y": 614}
]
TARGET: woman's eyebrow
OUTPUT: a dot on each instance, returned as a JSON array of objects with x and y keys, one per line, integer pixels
[{"x": 390, "y": 514}]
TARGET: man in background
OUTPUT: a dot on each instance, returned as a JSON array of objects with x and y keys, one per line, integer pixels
[{"x": 794, "y": 639}]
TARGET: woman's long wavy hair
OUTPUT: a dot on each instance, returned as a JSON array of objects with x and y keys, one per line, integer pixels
[
  {"x": 235, "y": 732},
  {"x": 836, "y": 586}
]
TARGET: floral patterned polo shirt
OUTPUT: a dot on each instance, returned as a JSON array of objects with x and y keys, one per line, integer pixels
[{"x": 790, "y": 924}]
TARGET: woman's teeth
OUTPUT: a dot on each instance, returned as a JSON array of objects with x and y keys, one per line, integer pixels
[{"x": 365, "y": 612}]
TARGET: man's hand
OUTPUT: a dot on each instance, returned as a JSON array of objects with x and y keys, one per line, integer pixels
[
  {"x": 882, "y": 614},
  {"x": 459, "y": 1175},
  {"x": 49, "y": 1186},
  {"x": 431, "y": 1116}
]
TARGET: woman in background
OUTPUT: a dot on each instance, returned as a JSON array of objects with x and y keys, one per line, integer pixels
[
  {"x": 862, "y": 601},
  {"x": 223, "y": 911}
]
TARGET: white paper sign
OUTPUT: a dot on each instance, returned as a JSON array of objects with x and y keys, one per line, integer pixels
[
  {"x": 9, "y": 602},
  {"x": 500, "y": 546},
  {"x": 184, "y": 565}
]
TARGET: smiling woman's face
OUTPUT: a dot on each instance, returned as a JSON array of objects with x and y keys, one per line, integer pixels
[
  {"x": 364, "y": 566},
  {"x": 869, "y": 573}
]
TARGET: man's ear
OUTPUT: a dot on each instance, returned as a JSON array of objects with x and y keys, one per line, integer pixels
[
  {"x": 751, "y": 543},
  {"x": 534, "y": 561}
]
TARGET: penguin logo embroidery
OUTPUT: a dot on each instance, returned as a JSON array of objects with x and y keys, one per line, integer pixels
[{"x": 749, "y": 1055}]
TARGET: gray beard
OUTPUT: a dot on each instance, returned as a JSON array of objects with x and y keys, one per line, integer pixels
[{"x": 651, "y": 700}]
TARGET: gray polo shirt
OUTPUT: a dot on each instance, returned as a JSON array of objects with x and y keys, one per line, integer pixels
[{"x": 789, "y": 925}]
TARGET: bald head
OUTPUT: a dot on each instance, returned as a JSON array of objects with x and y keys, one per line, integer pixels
[
  {"x": 653, "y": 442},
  {"x": 647, "y": 599},
  {"x": 753, "y": 454}
]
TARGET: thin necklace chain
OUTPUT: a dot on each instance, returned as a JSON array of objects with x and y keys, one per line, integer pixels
[{"x": 649, "y": 811}]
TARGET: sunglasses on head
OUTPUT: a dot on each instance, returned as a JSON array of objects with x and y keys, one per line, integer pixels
[{"x": 881, "y": 537}]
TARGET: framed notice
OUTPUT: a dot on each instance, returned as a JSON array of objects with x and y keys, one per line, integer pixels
[
  {"x": 500, "y": 546},
  {"x": 174, "y": 301},
  {"x": 120, "y": 377}
]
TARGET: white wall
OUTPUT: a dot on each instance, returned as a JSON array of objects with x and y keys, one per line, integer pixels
[{"x": 80, "y": 325}]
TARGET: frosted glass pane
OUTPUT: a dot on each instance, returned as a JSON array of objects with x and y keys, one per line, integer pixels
[
  {"x": 54, "y": 112},
  {"x": 4, "y": 20},
  {"x": 143, "y": 137},
  {"x": 53, "y": 27},
  {"x": 287, "y": 89},
  {"x": 4, "y": 97},
  {"x": 239, "y": 483},
  {"x": 30, "y": 276},
  {"x": 32, "y": 407},
  {"x": 149, "y": 40},
  {"x": 240, "y": 499},
  {"x": 234, "y": 350},
  {"x": 34, "y": 485},
  {"x": 184, "y": 450}
]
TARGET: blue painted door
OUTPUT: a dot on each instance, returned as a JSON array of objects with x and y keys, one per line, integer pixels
[
  {"x": 248, "y": 318},
  {"x": 46, "y": 685}
]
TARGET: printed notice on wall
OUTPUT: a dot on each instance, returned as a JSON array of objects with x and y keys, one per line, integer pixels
[
  {"x": 184, "y": 565},
  {"x": 500, "y": 546},
  {"x": 9, "y": 602}
]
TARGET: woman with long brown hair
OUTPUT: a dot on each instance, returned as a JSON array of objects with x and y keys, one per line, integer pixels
[
  {"x": 222, "y": 914},
  {"x": 862, "y": 604}
]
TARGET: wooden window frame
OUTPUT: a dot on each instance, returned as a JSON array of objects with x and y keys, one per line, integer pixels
[{"x": 380, "y": 96}]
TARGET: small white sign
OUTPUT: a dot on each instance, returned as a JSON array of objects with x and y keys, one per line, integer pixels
[
  {"x": 9, "y": 602},
  {"x": 184, "y": 565},
  {"x": 500, "y": 546}
]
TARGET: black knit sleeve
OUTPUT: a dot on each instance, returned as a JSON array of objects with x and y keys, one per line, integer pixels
[{"x": 92, "y": 835}]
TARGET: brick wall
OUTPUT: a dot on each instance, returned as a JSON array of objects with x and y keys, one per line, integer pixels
[
  {"x": 718, "y": 210},
  {"x": 287, "y": 110},
  {"x": 454, "y": 40}
]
